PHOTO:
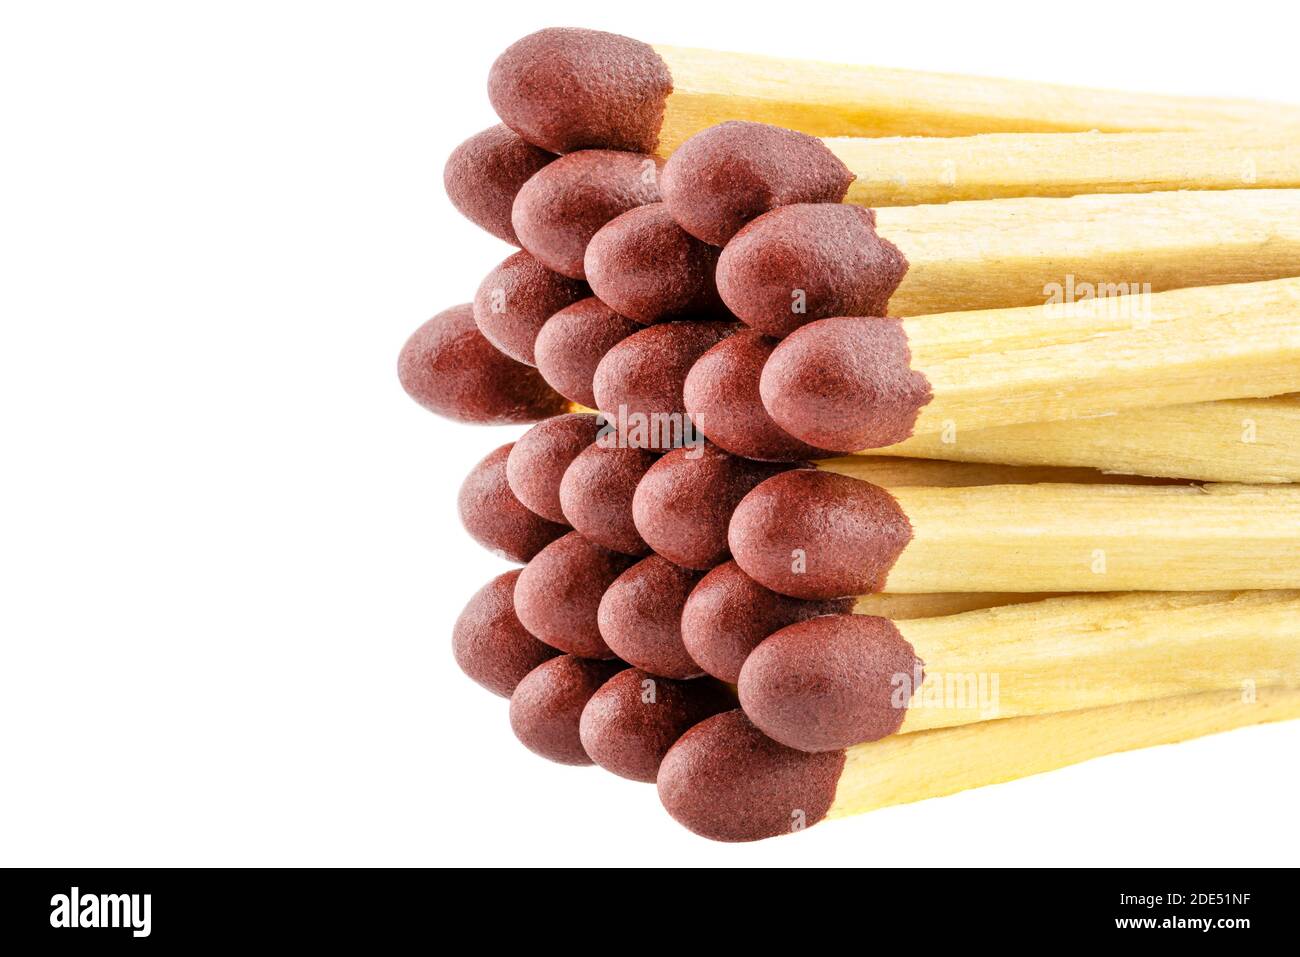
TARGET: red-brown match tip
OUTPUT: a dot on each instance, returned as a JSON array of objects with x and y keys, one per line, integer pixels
[
  {"x": 812, "y": 534},
  {"x": 845, "y": 384},
  {"x": 561, "y": 207},
  {"x": 516, "y": 298},
  {"x": 537, "y": 462},
  {"x": 568, "y": 89},
  {"x": 639, "y": 382},
  {"x": 559, "y": 591},
  {"x": 630, "y": 723},
  {"x": 495, "y": 518},
  {"x": 596, "y": 494},
  {"x": 727, "y": 781},
  {"x": 485, "y": 172},
  {"x": 452, "y": 370},
  {"x": 721, "y": 397},
  {"x": 725, "y": 176},
  {"x": 801, "y": 263},
  {"x": 489, "y": 643},
  {"x": 728, "y": 614},
  {"x": 650, "y": 269},
  {"x": 572, "y": 343},
  {"x": 684, "y": 503},
  {"x": 546, "y": 708},
  {"x": 829, "y": 683},
  {"x": 640, "y": 617}
]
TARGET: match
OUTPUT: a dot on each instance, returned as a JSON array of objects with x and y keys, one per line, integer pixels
[
  {"x": 485, "y": 173},
  {"x": 856, "y": 384},
  {"x": 810, "y": 261},
  {"x": 568, "y": 89},
  {"x": 726, "y": 175},
  {"x": 727, "y": 781},
  {"x": 831, "y": 682},
  {"x": 815, "y": 534}
]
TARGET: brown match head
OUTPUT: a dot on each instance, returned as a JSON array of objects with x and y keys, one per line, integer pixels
[
  {"x": 485, "y": 172},
  {"x": 639, "y": 382},
  {"x": 801, "y": 263},
  {"x": 845, "y": 384},
  {"x": 721, "y": 397},
  {"x": 490, "y": 644},
  {"x": 546, "y": 708},
  {"x": 830, "y": 683},
  {"x": 727, "y": 175},
  {"x": 573, "y": 342},
  {"x": 495, "y": 518},
  {"x": 452, "y": 370},
  {"x": 567, "y": 89},
  {"x": 596, "y": 494},
  {"x": 650, "y": 269},
  {"x": 640, "y": 617},
  {"x": 537, "y": 462},
  {"x": 516, "y": 298},
  {"x": 559, "y": 591},
  {"x": 684, "y": 503},
  {"x": 630, "y": 723},
  {"x": 728, "y": 614},
  {"x": 811, "y": 534},
  {"x": 558, "y": 211},
  {"x": 727, "y": 781}
]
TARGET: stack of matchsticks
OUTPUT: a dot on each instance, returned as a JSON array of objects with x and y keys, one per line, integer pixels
[{"x": 891, "y": 434}]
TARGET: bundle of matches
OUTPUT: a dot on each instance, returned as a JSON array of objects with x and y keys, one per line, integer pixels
[{"x": 896, "y": 433}]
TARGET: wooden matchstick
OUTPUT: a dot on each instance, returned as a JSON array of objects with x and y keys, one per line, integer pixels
[
  {"x": 854, "y": 384},
  {"x": 725, "y": 780},
  {"x": 729, "y": 174},
  {"x": 800, "y": 263},
  {"x": 569, "y": 89},
  {"x": 1246, "y": 440},
  {"x": 838, "y": 680},
  {"x": 812, "y": 534}
]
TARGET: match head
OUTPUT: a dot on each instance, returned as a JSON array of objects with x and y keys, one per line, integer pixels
[
  {"x": 829, "y": 683},
  {"x": 490, "y": 644},
  {"x": 516, "y": 298},
  {"x": 546, "y": 708},
  {"x": 573, "y": 342},
  {"x": 452, "y": 370},
  {"x": 566, "y": 89},
  {"x": 727, "y": 781},
  {"x": 728, "y": 614},
  {"x": 684, "y": 503},
  {"x": 537, "y": 462},
  {"x": 630, "y": 723},
  {"x": 650, "y": 269},
  {"x": 485, "y": 172},
  {"x": 596, "y": 495},
  {"x": 640, "y": 617},
  {"x": 801, "y": 263},
  {"x": 811, "y": 534},
  {"x": 722, "y": 399},
  {"x": 727, "y": 175},
  {"x": 495, "y": 518},
  {"x": 558, "y": 211},
  {"x": 845, "y": 384},
  {"x": 639, "y": 382},
  {"x": 559, "y": 591}
]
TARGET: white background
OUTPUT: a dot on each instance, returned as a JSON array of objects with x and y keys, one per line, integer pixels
[{"x": 230, "y": 554}]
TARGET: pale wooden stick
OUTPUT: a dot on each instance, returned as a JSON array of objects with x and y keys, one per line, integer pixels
[
  {"x": 829, "y": 99},
  {"x": 903, "y": 607},
  {"x": 1013, "y": 252},
  {"x": 1097, "y": 538},
  {"x": 905, "y": 171},
  {"x": 1092, "y": 651},
  {"x": 1248, "y": 440},
  {"x": 912, "y": 767}
]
